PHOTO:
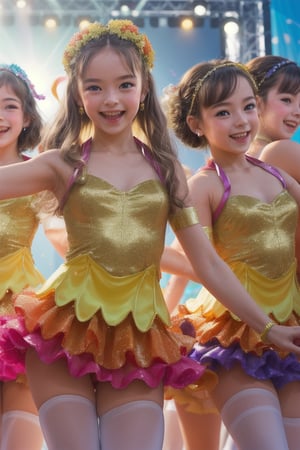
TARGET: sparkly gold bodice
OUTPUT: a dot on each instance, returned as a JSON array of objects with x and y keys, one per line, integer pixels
[
  {"x": 18, "y": 225},
  {"x": 124, "y": 232},
  {"x": 258, "y": 234},
  {"x": 256, "y": 240},
  {"x": 116, "y": 240}
]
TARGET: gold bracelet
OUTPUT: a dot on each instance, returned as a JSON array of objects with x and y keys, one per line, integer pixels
[{"x": 266, "y": 330}]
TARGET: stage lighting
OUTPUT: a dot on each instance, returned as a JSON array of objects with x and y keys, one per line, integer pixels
[
  {"x": 186, "y": 23},
  {"x": 21, "y": 4},
  {"x": 231, "y": 26},
  {"x": 200, "y": 8},
  {"x": 51, "y": 22},
  {"x": 83, "y": 21}
]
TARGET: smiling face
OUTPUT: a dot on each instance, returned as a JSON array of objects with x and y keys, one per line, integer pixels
[
  {"x": 110, "y": 92},
  {"x": 231, "y": 124},
  {"x": 279, "y": 114},
  {"x": 11, "y": 118}
]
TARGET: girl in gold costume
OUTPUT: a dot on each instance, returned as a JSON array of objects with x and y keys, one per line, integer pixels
[
  {"x": 250, "y": 212},
  {"x": 96, "y": 337}
]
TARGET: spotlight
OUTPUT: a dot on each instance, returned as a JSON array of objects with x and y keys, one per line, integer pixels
[
  {"x": 51, "y": 22},
  {"x": 186, "y": 24},
  {"x": 83, "y": 21},
  {"x": 231, "y": 26},
  {"x": 21, "y": 4},
  {"x": 200, "y": 8},
  {"x": 125, "y": 10}
]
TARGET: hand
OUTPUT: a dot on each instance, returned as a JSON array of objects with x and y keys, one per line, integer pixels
[{"x": 285, "y": 338}]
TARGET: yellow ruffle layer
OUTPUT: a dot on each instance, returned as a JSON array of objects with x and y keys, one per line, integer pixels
[
  {"x": 91, "y": 288},
  {"x": 279, "y": 297},
  {"x": 196, "y": 398},
  {"x": 17, "y": 271}
]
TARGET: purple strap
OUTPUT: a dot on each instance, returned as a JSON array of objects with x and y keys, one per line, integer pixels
[
  {"x": 212, "y": 165},
  {"x": 149, "y": 156},
  {"x": 86, "y": 149}
]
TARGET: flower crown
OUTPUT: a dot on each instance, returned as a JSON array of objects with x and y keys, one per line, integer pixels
[
  {"x": 20, "y": 73},
  {"x": 124, "y": 29}
]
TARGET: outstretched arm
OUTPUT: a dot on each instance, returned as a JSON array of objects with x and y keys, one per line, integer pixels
[{"x": 218, "y": 278}]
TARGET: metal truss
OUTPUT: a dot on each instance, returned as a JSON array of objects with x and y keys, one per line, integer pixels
[{"x": 249, "y": 13}]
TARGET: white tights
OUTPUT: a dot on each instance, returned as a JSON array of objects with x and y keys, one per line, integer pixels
[
  {"x": 138, "y": 425},
  {"x": 21, "y": 431},
  {"x": 292, "y": 429},
  {"x": 253, "y": 418},
  {"x": 69, "y": 422}
]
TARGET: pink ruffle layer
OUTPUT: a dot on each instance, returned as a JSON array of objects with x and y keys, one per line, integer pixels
[{"x": 15, "y": 340}]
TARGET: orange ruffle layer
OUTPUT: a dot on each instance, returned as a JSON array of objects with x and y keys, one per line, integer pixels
[
  {"x": 111, "y": 346},
  {"x": 226, "y": 330}
]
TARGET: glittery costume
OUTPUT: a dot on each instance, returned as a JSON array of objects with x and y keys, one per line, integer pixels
[
  {"x": 18, "y": 225},
  {"x": 103, "y": 309},
  {"x": 256, "y": 240}
]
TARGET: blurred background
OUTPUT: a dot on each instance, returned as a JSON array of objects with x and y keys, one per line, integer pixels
[{"x": 34, "y": 33}]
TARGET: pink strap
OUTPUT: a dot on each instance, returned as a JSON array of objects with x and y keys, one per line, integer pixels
[
  {"x": 226, "y": 182},
  {"x": 86, "y": 148}
]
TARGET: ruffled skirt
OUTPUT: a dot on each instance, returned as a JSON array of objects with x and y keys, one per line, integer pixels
[
  {"x": 118, "y": 354},
  {"x": 224, "y": 341}
]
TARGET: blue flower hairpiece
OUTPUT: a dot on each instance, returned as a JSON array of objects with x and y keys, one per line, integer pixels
[
  {"x": 274, "y": 69},
  {"x": 20, "y": 73}
]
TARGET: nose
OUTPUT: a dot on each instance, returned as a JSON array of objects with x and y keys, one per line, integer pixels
[
  {"x": 110, "y": 97},
  {"x": 240, "y": 118}
]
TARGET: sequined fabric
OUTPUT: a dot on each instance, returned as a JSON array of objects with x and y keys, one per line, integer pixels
[
  {"x": 103, "y": 310},
  {"x": 256, "y": 240},
  {"x": 18, "y": 225}
]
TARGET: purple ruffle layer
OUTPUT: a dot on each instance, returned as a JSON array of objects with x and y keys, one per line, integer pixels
[
  {"x": 15, "y": 340},
  {"x": 268, "y": 366}
]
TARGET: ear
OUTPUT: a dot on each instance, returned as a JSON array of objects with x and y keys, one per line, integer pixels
[
  {"x": 26, "y": 122},
  {"x": 194, "y": 124},
  {"x": 259, "y": 105},
  {"x": 143, "y": 95}
]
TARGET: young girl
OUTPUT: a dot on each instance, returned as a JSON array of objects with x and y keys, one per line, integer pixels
[
  {"x": 96, "y": 337},
  {"x": 20, "y": 127},
  {"x": 250, "y": 211},
  {"x": 278, "y": 100}
]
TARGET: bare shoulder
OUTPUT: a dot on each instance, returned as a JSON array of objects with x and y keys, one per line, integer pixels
[
  {"x": 203, "y": 179},
  {"x": 54, "y": 160},
  {"x": 284, "y": 154}
]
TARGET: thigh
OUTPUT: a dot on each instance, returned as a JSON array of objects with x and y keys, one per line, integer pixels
[
  {"x": 289, "y": 397},
  {"x": 50, "y": 380},
  {"x": 200, "y": 431},
  {"x": 109, "y": 397},
  {"x": 17, "y": 396},
  {"x": 233, "y": 381}
]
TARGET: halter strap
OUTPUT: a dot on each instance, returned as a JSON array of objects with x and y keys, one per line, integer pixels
[
  {"x": 86, "y": 150},
  {"x": 212, "y": 165},
  {"x": 149, "y": 157}
]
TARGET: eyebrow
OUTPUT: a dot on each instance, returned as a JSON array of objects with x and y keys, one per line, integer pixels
[
  {"x": 12, "y": 99},
  {"x": 121, "y": 78},
  {"x": 224, "y": 103}
]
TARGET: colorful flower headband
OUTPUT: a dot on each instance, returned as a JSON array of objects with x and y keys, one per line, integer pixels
[
  {"x": 20, "y": 73},
  {"x": 274, "y": 69},
  {"x": 124, "y": 29},
  {"x": 213, "y": 70}
]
